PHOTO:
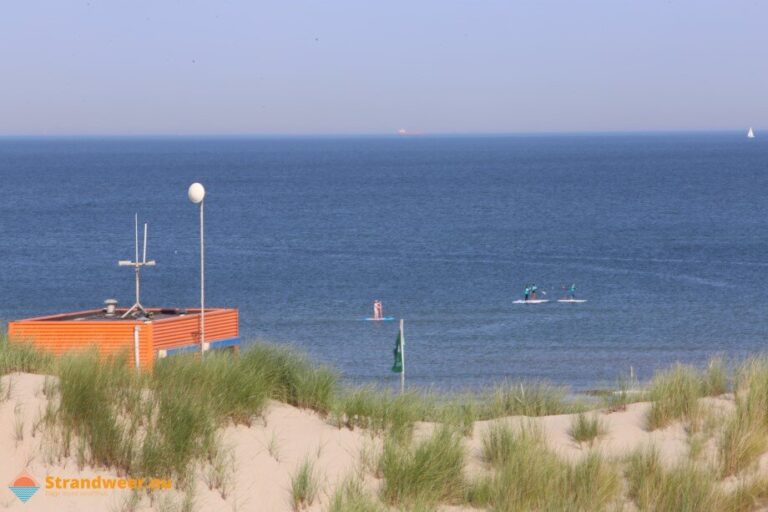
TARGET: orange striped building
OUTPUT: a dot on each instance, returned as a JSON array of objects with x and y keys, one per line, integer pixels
[{"x": 163, "y": 332}]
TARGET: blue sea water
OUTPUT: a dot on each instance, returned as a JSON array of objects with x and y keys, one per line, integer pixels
[{"x": 666, "y": 235}]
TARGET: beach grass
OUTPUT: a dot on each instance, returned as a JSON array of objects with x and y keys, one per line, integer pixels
[
  {"x": 351, "y": 496},
  {"x": 166, "y": 423},
  {"x": 749, "y": 494},
  {"x": 687, "y": 486},
  {"x": 222, "y": 385},
  {"x": 742, "y": 439},
  {"x": 593, "y": 483},
  {"x": 674, "y": 394},
  {"x": 526, "y": 399},
  {"x": 87, "y": 389},
  {"x": 424, "y": 473},
  {"x": 224, "y": 388},
  {"x": 18, "y": 423},
  {"x": 529, "y": 476},
  {"x": 180, "y": 431},
  {"x": 751, "y": 388},
  {"x": 290, "y": 377},
  {"x": 585, "y": 428},
  {"x": 715, "y": 380},
  {"x": 627, "y": 391},
  {"x": 461, "y": 412},
  {"x": 22, "y": 357},
  {"x": 162, "y": 422},
  {"x": 304, "y": 485},
  {"x": 383, "y": 411},
  {"x": 743, "y": 435},
  {"x": 380, "y": 410},
  {"x": 502, "y": 442},
  {"x": 684, "y": 487}
]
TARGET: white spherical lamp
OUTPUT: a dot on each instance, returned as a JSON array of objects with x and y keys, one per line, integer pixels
[{"x": 196, "y": 193}]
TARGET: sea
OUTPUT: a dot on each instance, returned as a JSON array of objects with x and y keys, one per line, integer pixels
[{"x": 664, "y": 234}]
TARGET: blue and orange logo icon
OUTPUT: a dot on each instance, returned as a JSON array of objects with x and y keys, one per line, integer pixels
[{"x": 24, "y": 487}]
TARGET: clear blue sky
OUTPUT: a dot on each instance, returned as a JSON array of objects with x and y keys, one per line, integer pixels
[{"x": 326, "y": 67}]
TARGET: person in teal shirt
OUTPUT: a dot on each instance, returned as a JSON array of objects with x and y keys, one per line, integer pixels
[
  {"x": 572, "y": 291},
  {"x": 527, "y": 292}
]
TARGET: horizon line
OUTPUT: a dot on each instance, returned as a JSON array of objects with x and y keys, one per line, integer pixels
[{"x": 394, "y": 135}]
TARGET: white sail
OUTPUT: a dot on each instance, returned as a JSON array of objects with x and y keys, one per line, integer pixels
[{"x": 750, "y": 133}]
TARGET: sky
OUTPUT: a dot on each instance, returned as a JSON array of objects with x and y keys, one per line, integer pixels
[{"x": 121, "y": 67}]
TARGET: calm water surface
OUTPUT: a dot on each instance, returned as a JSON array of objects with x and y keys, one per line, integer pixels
[{"x": 665, "y": 235}]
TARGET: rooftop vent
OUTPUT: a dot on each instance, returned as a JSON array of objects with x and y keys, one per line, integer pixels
[{"x": 110, "y": 306}]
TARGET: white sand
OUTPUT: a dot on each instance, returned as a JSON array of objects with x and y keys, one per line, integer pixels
[
  {"x": 261, "y": 482},
  {"x": 262, "y": 479}
]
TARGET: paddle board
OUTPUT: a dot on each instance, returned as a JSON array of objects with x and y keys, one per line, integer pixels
[
  {"x": 531, "y": 301},
  {"x": 572, "y": 301},
  {"x": 383, "y": 319}
]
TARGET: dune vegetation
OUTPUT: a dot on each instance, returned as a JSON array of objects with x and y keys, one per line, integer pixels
[
  {"x": 586, "y": 428},
  {"x": 167, "y": 422}
]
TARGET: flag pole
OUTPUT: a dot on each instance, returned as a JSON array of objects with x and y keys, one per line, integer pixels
[{"x": 402, "y": 355}]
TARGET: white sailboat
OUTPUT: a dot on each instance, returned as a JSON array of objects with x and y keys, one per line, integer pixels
[{"x": 750, "y": 133}]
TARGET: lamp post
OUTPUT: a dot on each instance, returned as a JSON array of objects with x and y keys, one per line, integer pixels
[{"x": 196, "y": 195}]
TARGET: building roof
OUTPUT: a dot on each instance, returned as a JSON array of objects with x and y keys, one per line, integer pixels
[{"x": 101, "y": 315}]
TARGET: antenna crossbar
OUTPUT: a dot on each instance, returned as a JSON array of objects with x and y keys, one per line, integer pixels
[{"x": 137, "y": 265}]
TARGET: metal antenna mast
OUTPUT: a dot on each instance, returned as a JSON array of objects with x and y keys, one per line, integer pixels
[{"x": 137, "y": 264}]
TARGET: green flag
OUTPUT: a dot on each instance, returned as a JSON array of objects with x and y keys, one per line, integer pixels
[{"x": 398, "y": 366}]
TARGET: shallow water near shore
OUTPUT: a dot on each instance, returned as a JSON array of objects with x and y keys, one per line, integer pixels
[{"x": 665, "y": 235}]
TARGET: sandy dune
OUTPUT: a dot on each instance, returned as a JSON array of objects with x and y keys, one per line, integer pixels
[
  {"x": 265, "y": 455},
  {"x": 261, "y": 479}
]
